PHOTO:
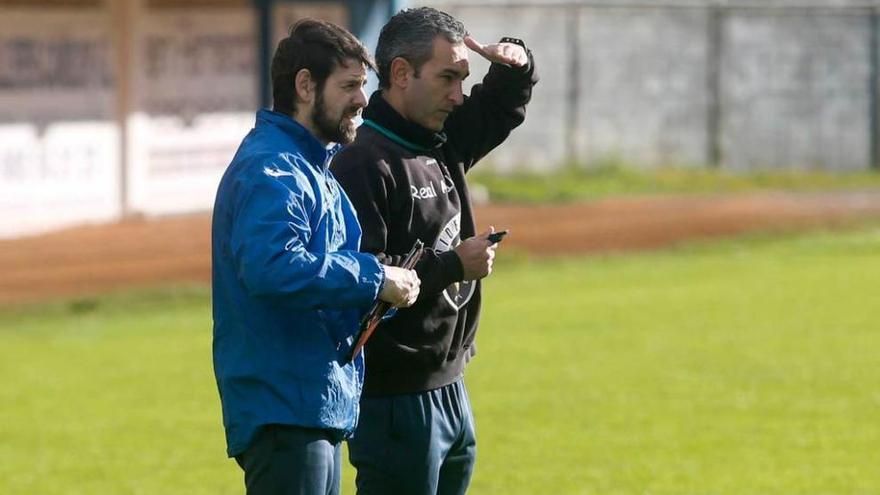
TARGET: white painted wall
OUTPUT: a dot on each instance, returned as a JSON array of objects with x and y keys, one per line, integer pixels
[
  {"x": 195, "y": 92},
  {"x": 59, "y": 143}
]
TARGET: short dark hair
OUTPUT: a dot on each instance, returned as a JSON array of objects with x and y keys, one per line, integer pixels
[
  {"x": 410, "y": 34},
  {"x": 318, "y": 46}
]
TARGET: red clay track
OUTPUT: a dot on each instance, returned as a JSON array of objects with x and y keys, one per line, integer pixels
[{"x": 101, "y": 258}]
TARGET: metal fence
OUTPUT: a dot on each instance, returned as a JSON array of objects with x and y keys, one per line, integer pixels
[{"x": 736, "y": 85}]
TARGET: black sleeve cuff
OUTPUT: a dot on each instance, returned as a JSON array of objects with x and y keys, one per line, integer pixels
[{"x": 452, "y": 263}]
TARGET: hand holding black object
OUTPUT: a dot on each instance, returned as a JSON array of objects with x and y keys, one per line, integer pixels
[
  {"x": 401, "y": 287},
  {"x": 477, "y": 254},
  {"x": 497, "y": 237}
]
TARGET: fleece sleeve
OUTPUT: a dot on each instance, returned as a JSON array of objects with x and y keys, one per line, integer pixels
[{"x": 494, "y": 108}]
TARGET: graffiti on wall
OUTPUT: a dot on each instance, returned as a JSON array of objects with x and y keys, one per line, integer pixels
[
  {"x": 28, "y": 61},
  {"x": 196, "y": 80},
  {"x": 56, "y": 65},
  {"x": 197, "y": 62}
]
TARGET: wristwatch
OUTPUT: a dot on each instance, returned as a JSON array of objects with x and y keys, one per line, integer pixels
[{"x": 517, "y": 41}]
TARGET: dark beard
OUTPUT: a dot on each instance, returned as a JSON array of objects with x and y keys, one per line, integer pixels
[{"x": 341, "y": 131}]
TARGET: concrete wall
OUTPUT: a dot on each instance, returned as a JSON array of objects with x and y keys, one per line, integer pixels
[
  {"x": 739, "y": 85},
  {"x": 796, "y": 92},
  {"x": 115, "y": 107}
]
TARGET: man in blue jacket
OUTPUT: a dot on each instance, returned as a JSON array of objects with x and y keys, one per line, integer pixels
[{"x": 289, "y": 284}]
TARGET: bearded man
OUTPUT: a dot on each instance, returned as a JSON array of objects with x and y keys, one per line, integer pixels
[{"x": 289, "y": 284}]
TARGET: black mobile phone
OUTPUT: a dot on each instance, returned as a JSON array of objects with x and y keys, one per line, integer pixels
[{"x": 496, "y": 237}]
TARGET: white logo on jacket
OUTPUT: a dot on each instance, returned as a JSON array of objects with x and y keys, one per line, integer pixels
[
  {"x": 459, "y": 293},
  {"x": 426, "y": 192},
  {"x": 430, "y": 191},
  {"x": 277, "y": 172}
]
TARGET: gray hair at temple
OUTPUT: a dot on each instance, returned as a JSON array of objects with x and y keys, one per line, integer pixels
[{"x": 410, "y": 34}]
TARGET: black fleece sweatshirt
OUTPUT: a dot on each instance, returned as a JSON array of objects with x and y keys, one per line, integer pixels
[{"x": 407, "y": 183}]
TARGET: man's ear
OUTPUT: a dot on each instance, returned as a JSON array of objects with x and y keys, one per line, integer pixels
[
  {"x": 401, "y": 71},
  {"x": 304, "y": 86}
]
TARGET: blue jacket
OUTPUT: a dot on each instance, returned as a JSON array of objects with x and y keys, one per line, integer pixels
[{"x": 289, "y": 286}]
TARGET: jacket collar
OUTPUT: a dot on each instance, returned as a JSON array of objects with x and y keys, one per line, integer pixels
[
  {"x": 382, "y": 117},
  {"x": 311, "y": 149}
]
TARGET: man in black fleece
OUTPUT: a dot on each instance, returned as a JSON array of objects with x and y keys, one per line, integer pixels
[{"x": 405, "y": 175}]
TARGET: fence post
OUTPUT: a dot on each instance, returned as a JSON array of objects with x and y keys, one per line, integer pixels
[
  {"x": 874, "y": 90},
  {"x": 264, "y": 37},
  {"x": 574, "y": 84},
  {"x": 122, "y": 15},
  {"x": 714, "y": 53}
]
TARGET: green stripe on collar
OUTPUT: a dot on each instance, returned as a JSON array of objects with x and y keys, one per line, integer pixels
[{"x": 394, "y": 137}]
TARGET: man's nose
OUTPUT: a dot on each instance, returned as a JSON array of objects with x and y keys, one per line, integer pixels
[
  {"x": 457, "y": 95},
  {"x": 360, "y": 99}
]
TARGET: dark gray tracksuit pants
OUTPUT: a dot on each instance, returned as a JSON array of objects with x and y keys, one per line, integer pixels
[
  {"x": 419, "y": 444},
  {"x": 290, "y": 460}
]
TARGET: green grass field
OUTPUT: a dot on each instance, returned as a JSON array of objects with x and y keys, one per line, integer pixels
[
  {"x": 745, "y": 367},
  {"x": 572, "y": 182}
]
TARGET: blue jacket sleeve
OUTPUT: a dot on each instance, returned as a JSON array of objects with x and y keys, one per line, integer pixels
[{"x": 271, "y": 246}]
